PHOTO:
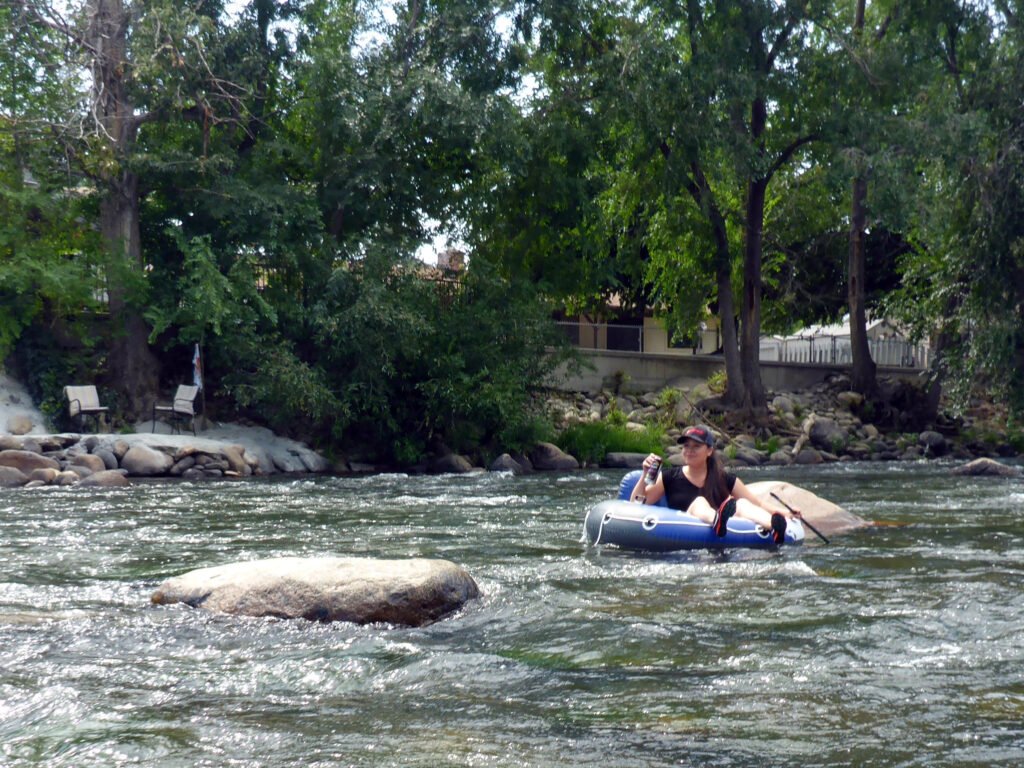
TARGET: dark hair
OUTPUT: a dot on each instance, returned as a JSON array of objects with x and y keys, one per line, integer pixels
[{"x": 716, "y": 488}]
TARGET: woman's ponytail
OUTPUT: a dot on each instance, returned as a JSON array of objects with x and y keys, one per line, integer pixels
[{"x": 716, "y": 488}]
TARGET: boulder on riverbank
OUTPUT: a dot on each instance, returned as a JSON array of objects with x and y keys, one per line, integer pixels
[
  {"x": 548, "y": 456},
  {"x": 26, "y": 461},
  {"x": 403, "y": 592},
  {"x": 827, "y": 517},
  {"x": 623, "y": 460},
  {"x": 66, "y": 459}
]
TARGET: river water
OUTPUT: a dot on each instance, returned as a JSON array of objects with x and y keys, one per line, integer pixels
[{"x": 895, "y": 646}]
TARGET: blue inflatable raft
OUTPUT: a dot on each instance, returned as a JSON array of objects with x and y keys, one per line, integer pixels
[{"x": 656, "y": 528}]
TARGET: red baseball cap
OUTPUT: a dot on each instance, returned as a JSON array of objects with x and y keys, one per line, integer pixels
[{"x": 700, "y": 434}]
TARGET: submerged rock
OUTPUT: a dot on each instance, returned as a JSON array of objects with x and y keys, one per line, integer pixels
[
  {"x": 505, "y": 463},
  {"x": 106, "y": 478},
  {"x": 989, "y": 467},
  {"x": 405, "y": 592}
]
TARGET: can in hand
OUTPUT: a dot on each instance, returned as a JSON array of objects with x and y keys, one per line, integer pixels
[{"x": 651, "y": 475}]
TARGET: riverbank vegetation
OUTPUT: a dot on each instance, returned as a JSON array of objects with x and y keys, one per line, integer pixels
[{"x": 260, "y": 181}]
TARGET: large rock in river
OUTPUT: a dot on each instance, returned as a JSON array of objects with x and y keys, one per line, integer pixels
[
  {"x": 986, "y": 466},
  {"x": 548, "y": 456},
  {"x": 106, "y": 478},
  {"x": 827, "y": 517},
  {"x": 406, "y": 592},
  {"x": 623, "y": 460}
]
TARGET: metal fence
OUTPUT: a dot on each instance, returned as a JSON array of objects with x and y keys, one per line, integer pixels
[{"x": 618, "y": 338}]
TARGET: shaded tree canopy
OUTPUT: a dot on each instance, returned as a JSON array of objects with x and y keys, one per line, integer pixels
[{"x": 261, "y": 181}]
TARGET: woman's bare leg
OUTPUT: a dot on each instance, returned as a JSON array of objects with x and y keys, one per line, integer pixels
[{"x": 701, "y": 509}]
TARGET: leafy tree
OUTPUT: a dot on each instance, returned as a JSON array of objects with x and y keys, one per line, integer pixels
[
  {"x": 418, "y": 364},
  {"x": 713, "y": 100},
  {"x": 545, "y": 191},
  {"x": 148, "y": 62},
  {"x": 964, "y": 281},
  {"x": 47, "y": 255}
]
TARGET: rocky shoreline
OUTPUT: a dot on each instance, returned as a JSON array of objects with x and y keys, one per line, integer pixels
[
  {"x": 110, "y": 460},
  {"x": 819, "y": 425}
]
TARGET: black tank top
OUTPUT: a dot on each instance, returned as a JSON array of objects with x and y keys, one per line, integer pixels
[{"x": 680, "y": 492}]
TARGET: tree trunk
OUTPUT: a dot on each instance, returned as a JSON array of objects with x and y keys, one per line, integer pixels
[
  {"x": 863, "y": 376},
  {"x": 730, "y": 344},
  {"x": 132, "y": 367},
  {"x": 734, "y": 382},
  {"x": 700, "y": 190},
  {"x": 750, "y": 346}
]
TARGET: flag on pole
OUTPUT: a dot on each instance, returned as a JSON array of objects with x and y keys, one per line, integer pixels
[{"x": 197, "y": 369}]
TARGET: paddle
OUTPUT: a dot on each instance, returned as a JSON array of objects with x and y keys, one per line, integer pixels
[{"x": 802, "y": 520}]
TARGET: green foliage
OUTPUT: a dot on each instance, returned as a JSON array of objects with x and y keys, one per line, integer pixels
[
  {"x": 591, "y": 441},
  {"x": 416, "y": 363},
  {"x": 963, "y": 283},
  {"x": 620, "y": 379},
  {"x": 668, "y": 402},
  {"x": 1015, "y": 439},
  {"x": 408, "y": 451},
  {"x": 615, "y": 416},
  {"x": 207, "y": 299},
  {"x": 867, "y": 411},
  {"x": 489, "y": 351},
  {"x": 292, "y": 158},
  {"x": 47, "y": 253},
  {"x": 292, "y": 396},
  {"x": 669, "y": 398},
  {"x": 717, "y": 382}
]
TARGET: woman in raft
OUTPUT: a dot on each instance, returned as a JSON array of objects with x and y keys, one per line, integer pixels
[{"x": 703, "y": 489}]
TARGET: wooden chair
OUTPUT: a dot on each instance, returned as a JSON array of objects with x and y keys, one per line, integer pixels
[
  {"x": 83, "y": 401},
  {"x": 182, "y": 409}
]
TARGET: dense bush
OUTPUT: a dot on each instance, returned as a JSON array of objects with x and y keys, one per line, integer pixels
[{"x": 420, "y": 365}]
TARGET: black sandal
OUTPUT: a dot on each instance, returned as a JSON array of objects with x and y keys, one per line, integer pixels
[
  {"x": 726, "y": 510},
  {"x": 778, "y": 527}
]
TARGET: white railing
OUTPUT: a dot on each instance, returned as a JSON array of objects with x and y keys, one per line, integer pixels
[
  {"x": 823, "y": 350},
  {"x": 836, "y": 350}
]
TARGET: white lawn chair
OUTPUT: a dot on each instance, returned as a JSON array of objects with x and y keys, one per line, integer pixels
[
  {"x": 83, "y": 401},
  {"x": 182, "y": 409}
]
